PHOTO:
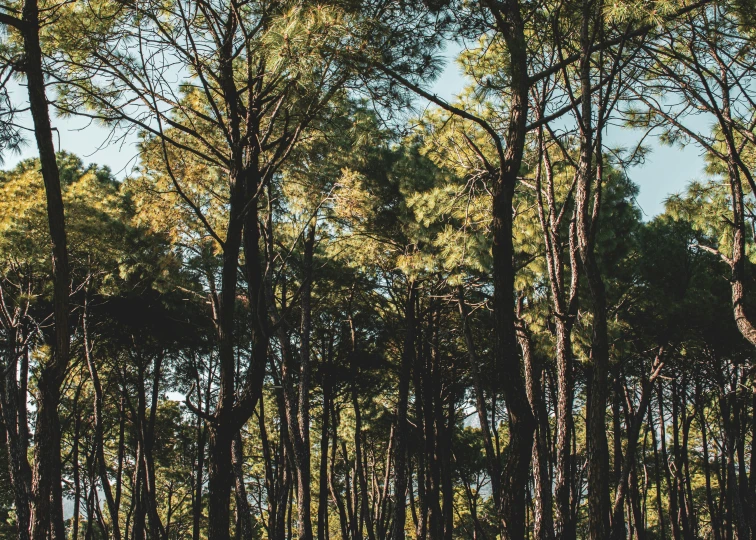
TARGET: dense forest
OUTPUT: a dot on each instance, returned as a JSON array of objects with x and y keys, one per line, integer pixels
[{"x": 328, "y": 303}]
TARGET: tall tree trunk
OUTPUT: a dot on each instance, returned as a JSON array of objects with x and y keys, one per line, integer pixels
[
  {"x": 713, "y": 511},
  {"x": 673, "y": 515},
  {"x": 563, "y": 469},
  {"x": 199, "y": 468},
  {"x": 137, "y": 499},
  {"x": 735, "y": 507},
  {"x": 492, "y": 459},
  {"x": 324, "y": 438},
  {"x": 543, "y": 522},
  {"x": 628, "y": 464},
  {"x": 598, "y": 449},
  {"x": 333, "y": 488},
  {"x": 522, "y": 423},
  {"x": 430, "y": 426},
  {"x": 147, "y": 436},
  {"x": 446, "y": 450},
  {"x": 243, "y": 513},
  {"x": 420, "y": 509},
  {"x": 304, "y": 521},
  {"x": 13, "y": 398},
  {"x": 99, "y": 442},
  {"x": 564, "y": 302},
  {"x": 221, "y": 430},
  {"x": 47, "y": 503},
  {"x": 401, "y": 456},
  {"x": 76, "y": 478},
  {"x": 510, "y": 23},
  {"x": 363, "y": 515},
  {"x": 657, "y": 475},
  {"x": 677, "y": 487}
]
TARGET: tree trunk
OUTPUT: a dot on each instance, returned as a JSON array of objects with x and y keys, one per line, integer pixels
[
  {"x": 521, "y": 422},
  {"x": 563, "y": 469},
  {"x": 304, "y": 521},
  {"x": 628, "y": 463},
  {"x": 13, "y": 405},
  {"x": 543, "y": 521},
  {"x": 401, "y": 457},
  {"x": 713, "y": 511},
  {"x": 200, "y": 465},
  {"x": 99, "y": 442},
  {"x": 242, "y": 210},
  {"x": 243, "y": 514},
  {"x": 657, "y": 475},
  {"x": 492, "y": 459},
  {"x": 324, "y": 437},
  {"x": 47, "y": 509},
  {"x": 446, "y": 450}
]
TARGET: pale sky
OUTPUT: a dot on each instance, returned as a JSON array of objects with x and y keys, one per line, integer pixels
[{"x": 666, "y": 170}]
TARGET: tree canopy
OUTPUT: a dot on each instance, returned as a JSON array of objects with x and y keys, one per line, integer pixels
[{"x": 320, "y": 308}]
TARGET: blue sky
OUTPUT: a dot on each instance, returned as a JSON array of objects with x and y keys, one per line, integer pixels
[
  {"x": 79, "y": 136},
  {"x": 666, "y": 170}
]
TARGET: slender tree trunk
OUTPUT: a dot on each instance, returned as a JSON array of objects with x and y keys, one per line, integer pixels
[
  {"x": 628, "y": 463},
  {"x": 492, "y": 459},
  {"x": 673, "y": 510},
  {"x": 430, "y": 427},
  {"x": 598, "y": 450},
  {"x": 13, "y": 406},
  {"x": 333, "y": 488},
  {"x": 243, "y": 513},
  {"x": 199, "y": 466},
  {"x": 420, "y": 509},
  {"x": 324, "y": 437},
  {"x": 713, "y": 511},
  {"x": 242, "y": 220},
  {"x": 147, "y": 435},
  {"x": 635, "y": 507},
  {"x": 99, "y": 442},
  {"x": 383, "y": 520},
  {"x": 657, "y": 475},
  {"x": 401, "y": 457},
  {"x": 47, "y": 509},
  {"x": 137, "y": 491},
  {"x": 678, "y": 463},
  {"x": 75, "y": 467},
  {"x": 563, "y": 464},
  {"x": 361, "y": 504},
  {"x": 543, "y": 522},
  {"x": 304, "y": 521},
  {"x": 733, "y": 495},
  {"x": 446, "y": 450},
  {"x": 521, "y": 422}
]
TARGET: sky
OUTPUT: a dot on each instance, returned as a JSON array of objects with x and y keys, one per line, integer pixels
[
  {"x": 666, "y": 170},
  {"x": 80, "y": 136}
]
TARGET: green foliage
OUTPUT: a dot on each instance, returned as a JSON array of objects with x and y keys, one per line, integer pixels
[{"x": 291, "y": 112}]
